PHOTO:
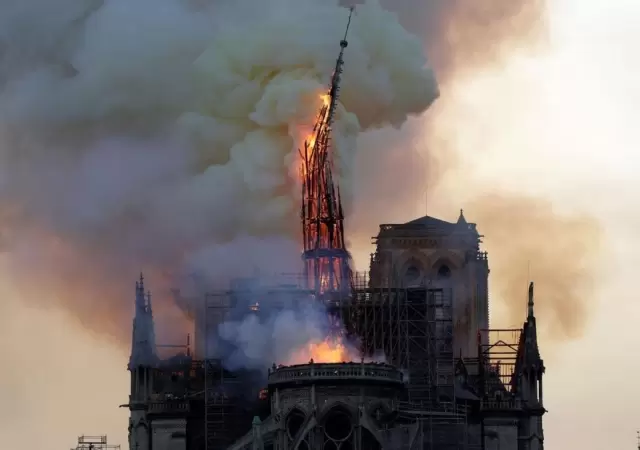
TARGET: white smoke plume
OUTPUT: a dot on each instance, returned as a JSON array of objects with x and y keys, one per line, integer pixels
[
  {"x": 300, "y": 332},
  {"x": 282, "y": 337},
  {"x": 156, "y": 133}
]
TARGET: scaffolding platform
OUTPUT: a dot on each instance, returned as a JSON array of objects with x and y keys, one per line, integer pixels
[
  {"x": 411, "y": 326},
  {"x": 94, "y": 443}
]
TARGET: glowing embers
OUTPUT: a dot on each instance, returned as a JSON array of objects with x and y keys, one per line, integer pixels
[
  {"x": 320, "y": 125},
  {"x": 332, "y": 349},
  {"x": 325, "y": 255},
  {"x": 328, "y": 273}
]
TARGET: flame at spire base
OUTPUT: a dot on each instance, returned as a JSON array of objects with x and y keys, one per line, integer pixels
[{"x": 333, "y": 349}]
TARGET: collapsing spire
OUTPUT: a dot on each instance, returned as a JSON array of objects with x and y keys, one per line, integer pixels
[
  {"x": 143, "y": 342},
  {"x": 326, "y": 260}
]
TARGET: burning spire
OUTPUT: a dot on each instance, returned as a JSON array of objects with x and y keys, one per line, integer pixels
[{"x": 326, "y": 260}]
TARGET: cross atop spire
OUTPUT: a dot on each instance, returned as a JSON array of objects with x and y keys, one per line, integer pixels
[
  {"x": 336, "y": 78},
  {"x": 461, "y": 218}
]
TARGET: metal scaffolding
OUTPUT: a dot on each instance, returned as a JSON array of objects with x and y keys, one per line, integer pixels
[
  {"x": 219, "y": 414},
  {"x": 221, "y": 419},
  {"x": 94, "y": 443},
  {"x": 411, "y": 326},
  {"x": 497, "y": 363},
  {"x": 414, "y": 328}
]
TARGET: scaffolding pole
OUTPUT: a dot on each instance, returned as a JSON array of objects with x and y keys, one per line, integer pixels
[
  {"x": 220, "y": 418},
  {"x": 411, "y": 326}
]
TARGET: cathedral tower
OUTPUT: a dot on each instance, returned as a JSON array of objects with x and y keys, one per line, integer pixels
[
  {"x": 530, "y": 369},
  {"x": 141, "y": 362},
  {"x": 438, "y": 254}
]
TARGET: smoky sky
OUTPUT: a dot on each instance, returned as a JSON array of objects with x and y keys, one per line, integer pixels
[
  {"x": 147, "y": 135},
  {"x": 458, "y": 37},
  {"x": 404, "y": 168}
]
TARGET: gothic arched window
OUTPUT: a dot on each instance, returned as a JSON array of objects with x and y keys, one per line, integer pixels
[
  {"x": 444, "y": 271},
  {"x": 412, "y": 274}
]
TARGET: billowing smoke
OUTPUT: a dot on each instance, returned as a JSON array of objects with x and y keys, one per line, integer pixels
[
  {"x": 86, "y": 270},
  {"x": 462, "y": 38},
  {"x": 290, "y": 336},
  {"x": 153, "y": 134},
  {"x": 462, "y": 35},
  {"x": 543, "y": 244},
  {"x": 485, "y": 112}
]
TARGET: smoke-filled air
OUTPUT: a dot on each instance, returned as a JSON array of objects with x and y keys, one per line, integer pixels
[
  {"x": 490, "y": 62},
  {"x": 162, "y": 136}
]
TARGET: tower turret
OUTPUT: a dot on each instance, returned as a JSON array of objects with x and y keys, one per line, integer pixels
[
  {"x": 143, "y": 338},
  {"x": 531, "y": 357},
  {"x": 530, "y": 370},
  {"x": 141, "y": 363}
]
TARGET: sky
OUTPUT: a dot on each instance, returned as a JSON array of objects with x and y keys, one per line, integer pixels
[
  {"x": 559, "y": 125},
  {"x": 562, "y": 125},
  {"x": 591, "y": 162}
]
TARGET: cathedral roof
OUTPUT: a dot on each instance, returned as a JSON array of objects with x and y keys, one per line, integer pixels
[
  {"x": 430, "y": 222},
  {"x": 435, "y": 225}
]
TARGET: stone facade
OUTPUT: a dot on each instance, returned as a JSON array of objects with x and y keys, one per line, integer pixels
[
  {"x": 358, "y": 406},
  {"x": 328, "y": 406},
  {"x": 432, "y": 252}
]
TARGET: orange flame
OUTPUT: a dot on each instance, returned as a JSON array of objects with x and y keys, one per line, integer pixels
[
  {"x": 330, "y": 350},
  {"x": 311, "y": 138},
  {"x": 325, "y": 99}
]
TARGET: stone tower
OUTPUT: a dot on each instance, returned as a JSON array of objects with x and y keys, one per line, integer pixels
[
  {"x": 141, "y": 363},
  {"x": 530, "y": 368},
  {"x": 432, "y": 252}
]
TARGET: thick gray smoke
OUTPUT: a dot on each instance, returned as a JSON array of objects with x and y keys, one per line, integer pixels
[
  {"x": 156, "y": 134},
  {"x": 290, "y": 336}
]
